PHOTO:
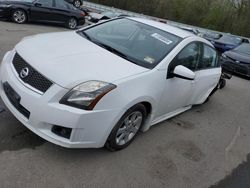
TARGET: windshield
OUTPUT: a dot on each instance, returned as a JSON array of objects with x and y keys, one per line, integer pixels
[
  {"x": 137, "y": 42},
  {"x": 244, "y": 48},
  {"x": 231, "y": 39}
]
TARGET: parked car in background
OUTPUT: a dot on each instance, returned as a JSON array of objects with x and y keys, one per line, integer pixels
[
  {"x": 96, "y": 17},
  {"x": 227, "y": 42},
  {"x": 52, "y": 11},
  {"x": 85, "y": 10},
  {"x": 211, "y": 36},
  {"x": 76, "y": 3},
  {"x": 189, "y": 29},
  {"x": 237, "y": 60},
  {"x": 102, "y": 84}
]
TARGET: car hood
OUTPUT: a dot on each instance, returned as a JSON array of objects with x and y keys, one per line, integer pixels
[
  {"x": 245, "y": 58},
  {"x": 225, "y": 42},
  {"x": 68, "y": 59}
]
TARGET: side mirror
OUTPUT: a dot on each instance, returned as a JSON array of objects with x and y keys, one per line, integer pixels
[
  {"x": 38, "y": 4},
  {"x": 183, "y": 72}
]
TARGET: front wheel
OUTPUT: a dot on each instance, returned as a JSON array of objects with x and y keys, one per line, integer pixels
[
  {"x": 72, "y": 23},
  {"x": 19, "y": 16},
  {"x": 222, "y": 83},
  {"x": 127, "y": 128},
  {"x": 77, "y": 3}
]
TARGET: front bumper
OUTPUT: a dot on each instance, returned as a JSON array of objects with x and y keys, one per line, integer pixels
[
  {"x": 234, "y": 67},
  {"x": 89, "y": 128}
]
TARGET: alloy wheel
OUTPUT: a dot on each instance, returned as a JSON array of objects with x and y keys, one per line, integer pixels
[
  {"x": 129, "y": 128},
  {"x": 77, "y": 3},
  {"x": 72, "y": 23},
  {"x": 19, "y": 16}
]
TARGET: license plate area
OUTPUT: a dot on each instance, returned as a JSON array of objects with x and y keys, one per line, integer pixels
[{"x": 15, "y": 99}]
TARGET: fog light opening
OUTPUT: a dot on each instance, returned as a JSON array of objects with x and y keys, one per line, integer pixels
[{"x": 61, "y": 131}]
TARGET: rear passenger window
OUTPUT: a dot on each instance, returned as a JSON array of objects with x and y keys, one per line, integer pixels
[
  {"x": 209, "y": 58},
  {"x": 45, "y": 3},
  {"x": 61, "y": 4}
]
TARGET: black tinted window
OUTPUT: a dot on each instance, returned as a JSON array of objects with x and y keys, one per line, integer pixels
[
  {"x": 61, "y": 4},
  {"x": 188, "y": 57},
  {"x": 209, "y": 58},
  {"x": 45, "y": 3}
]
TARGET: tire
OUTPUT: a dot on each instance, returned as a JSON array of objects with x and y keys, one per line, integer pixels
[
  {"x": 72, "y": 23},
  {"x": 222, "y": 83},
  {"x": 19, "y": 16},
  {"x": 127, "y": 128},
  {"x": 77, "y": 3}
]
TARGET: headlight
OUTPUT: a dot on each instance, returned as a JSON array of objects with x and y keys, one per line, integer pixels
[
  {"x": 224, "y": 56},
  {"x": 86, "y": 95}
]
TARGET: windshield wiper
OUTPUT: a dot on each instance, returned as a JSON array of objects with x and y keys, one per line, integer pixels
[
  {"x": 84, "y": 34},
  {"x": 111, "y": 49},
  {"x": 117, "y": 52},
  {"x": 107, "y": 47}
]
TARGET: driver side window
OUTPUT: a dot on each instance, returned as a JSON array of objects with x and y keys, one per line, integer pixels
[
  {"x": 45, "y": 3},
  {"x": 189, "y": 57},
  {"x": 60, "y": 4}
]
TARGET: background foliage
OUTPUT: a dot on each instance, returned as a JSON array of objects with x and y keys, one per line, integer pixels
[{"x": 231, "y": 16}]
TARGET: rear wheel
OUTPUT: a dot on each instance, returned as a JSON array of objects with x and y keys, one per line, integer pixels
[
  {"x": 19, "y": 16},
  {"x": 72, "y": 23},
  {"x": 77, "y": 3},
  {"x": 127, "y": 128}
]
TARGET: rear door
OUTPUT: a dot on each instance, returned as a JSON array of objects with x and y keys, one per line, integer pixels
[
  {"x": 42, "y": 10},
  {"x": 207, "y": 73},
  {"x": 62, "y": 11}
]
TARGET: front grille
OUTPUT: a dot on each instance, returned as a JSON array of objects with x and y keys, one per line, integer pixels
[
  {"x": 241, "y": 69},
  {"x": 32, "y": 77}
]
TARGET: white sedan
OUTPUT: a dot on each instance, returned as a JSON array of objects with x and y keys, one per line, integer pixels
[{"x": 99, "y": 86}]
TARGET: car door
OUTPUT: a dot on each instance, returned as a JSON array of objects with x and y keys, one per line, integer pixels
[
  {"x": 61, "y": 11},
  {"x": 178, "y": 92},
  {"x": 207, "y": 74},
  {"x": 42, "y": 10}
]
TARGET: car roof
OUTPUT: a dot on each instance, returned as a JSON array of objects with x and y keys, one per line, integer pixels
[{"x": 165, "y": 27}]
